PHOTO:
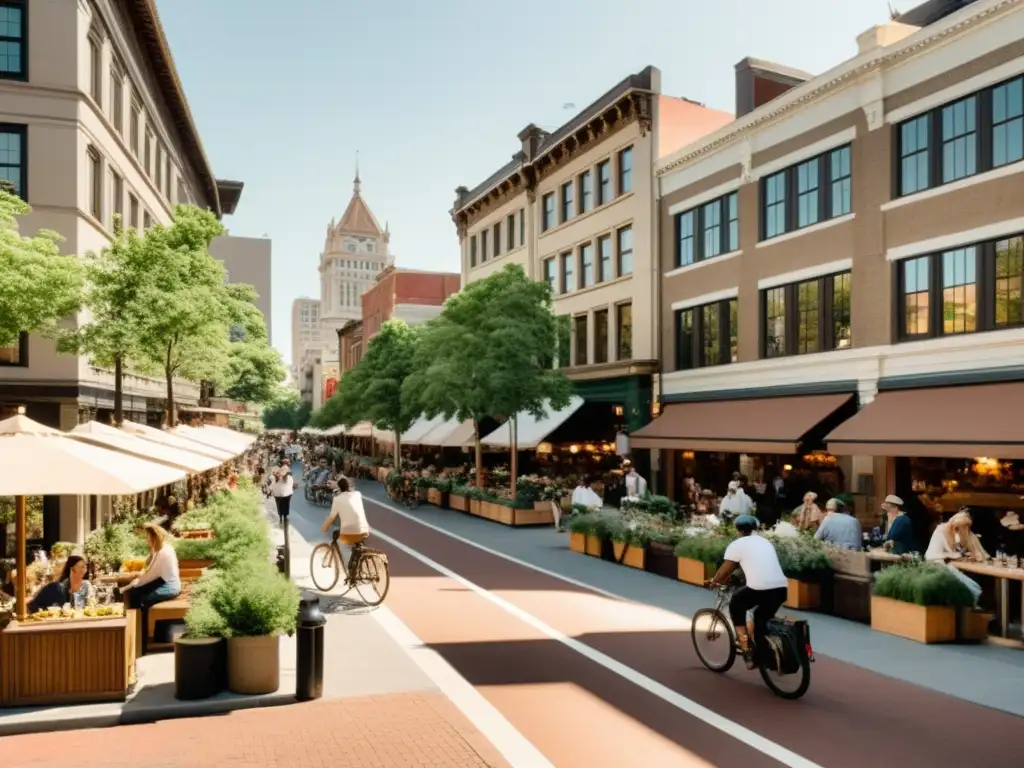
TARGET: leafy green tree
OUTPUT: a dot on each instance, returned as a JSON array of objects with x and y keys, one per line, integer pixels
[
  {"x": 254, "y": 372},
  {"x": 286, "y": 411},
  {"x": 347, "y": 405},
  {"x": 491, "y": 353},
  {"x": 38, "y": 286}
]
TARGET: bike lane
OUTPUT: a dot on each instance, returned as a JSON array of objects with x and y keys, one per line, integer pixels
[{"x": 564, "y": 701}]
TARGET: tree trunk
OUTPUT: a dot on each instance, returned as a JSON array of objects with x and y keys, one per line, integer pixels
[
  {"x": 479, "y": 454},
  {"x": 513, "y": 428},
  {"x": 118, "y": 389},
  {"x": 398, "y": 451},
  {"x": 169, "y": 372}
]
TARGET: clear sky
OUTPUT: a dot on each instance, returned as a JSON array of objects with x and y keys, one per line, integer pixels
[{"x": 433, "y": 92}]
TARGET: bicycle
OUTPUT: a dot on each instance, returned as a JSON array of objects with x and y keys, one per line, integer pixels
[
  {"x": 367, "y": 570},
  {"x": 789, "y": 653}
]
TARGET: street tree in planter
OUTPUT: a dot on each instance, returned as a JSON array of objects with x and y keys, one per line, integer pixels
[
  {"x": 491, "y": 353},
  {"x": 38, "y": 286}
]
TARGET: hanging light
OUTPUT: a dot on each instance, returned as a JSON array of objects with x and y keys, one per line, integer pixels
[
  {"x": 619, "y": 410},
  {"x": 574, "y": 449}
]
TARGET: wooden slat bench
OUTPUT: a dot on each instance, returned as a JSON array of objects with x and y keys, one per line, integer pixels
[{"x": 171, "y": 610}]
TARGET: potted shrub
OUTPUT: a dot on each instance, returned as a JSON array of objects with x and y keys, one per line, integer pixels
[
  {"x": 918, "y": 601},
  {"x": 437, "y": 491},
  {"x": 629, "y": 543},
  {"x": 258, "y": 605},
  {"x": 806, "y": 565},
  {"x": 700, "y": 555},
  {"x": 458, "y": 498},
  {"x": 200, "y": 655}
]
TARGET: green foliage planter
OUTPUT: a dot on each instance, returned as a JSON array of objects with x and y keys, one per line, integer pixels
[
  {"x": 200, "y": 656},
  {"x": 240, "y": 531},
  {"x": 661, "y": 555},
  {"x": 807, "y": 566},
  {"x": 918, "y": 601},
  {"x": 700, "y": 556}
]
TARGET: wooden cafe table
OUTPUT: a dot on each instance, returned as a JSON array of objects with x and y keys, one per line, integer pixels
[{"x": 1003, "y": 576}]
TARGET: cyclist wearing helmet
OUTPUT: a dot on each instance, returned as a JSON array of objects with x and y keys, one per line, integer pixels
[{"x": 765, "y": 590}]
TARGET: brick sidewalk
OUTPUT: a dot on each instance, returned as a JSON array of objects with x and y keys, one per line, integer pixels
[{"x": 408, "y": 729}]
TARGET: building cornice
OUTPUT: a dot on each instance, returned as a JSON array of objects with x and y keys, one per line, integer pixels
[{"x": 839, "y": 78}]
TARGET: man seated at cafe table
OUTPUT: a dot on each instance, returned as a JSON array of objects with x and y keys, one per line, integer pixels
[
  {"x": 840, "y": 528},
  {"x": 72, "y": 588},
  {"x": 900, "y": 537},
  {"x": 161, "y": 580}
]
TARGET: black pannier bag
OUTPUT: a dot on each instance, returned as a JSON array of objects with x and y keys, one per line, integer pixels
[{"x": 789, "y": 643}]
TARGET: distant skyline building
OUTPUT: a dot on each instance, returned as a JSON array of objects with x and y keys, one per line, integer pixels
[{"x": 305, "y": 331}]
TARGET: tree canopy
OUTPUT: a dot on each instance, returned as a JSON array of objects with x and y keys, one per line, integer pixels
[
  {"x": 286, "y": 411},
  {"x": 254, "y": 372}
]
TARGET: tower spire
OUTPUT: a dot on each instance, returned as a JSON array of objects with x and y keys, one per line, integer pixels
[{"x": 356, "y": 183}]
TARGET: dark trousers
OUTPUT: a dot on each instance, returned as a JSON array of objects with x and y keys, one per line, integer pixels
[
  {"x": 145, "y": 597},
  {"x": 763, "y": 602},
  {"x": 284, "y": 505}
]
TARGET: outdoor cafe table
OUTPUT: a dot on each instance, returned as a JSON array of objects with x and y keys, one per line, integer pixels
[{"x": 1003, "y": 577}]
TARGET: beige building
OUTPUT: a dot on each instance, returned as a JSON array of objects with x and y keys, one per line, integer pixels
[
  {"x": 93, "y": 123},
  {"x": 248, "y": 260},
  {"x": 305, "y": 331},
  {"x": 853, "y": 240},
  {"x": 575, "y": 207}
]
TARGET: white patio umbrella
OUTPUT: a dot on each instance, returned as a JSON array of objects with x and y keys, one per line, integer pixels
[
  {"x": 221, "y": 440},
  {"x": 40, "y": 461},
  {"x": 230, "y": 436},
  {"x": 115, "y": 439},
  {"x": 175, "y": 441}
]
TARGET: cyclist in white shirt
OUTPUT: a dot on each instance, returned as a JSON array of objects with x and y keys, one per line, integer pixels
[
  {"x": 766, "y": 586},
  {"x": 347, "y": 510}
]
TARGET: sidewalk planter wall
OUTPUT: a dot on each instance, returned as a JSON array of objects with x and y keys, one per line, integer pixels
[
  {"x": 194, "y": 565},
  {"x": 923, "y": 623},
  {"x": 422, "y": 493},
  {"x": 254, "y": 664},
  {"x": 629, "y": 555},
  {"x": 437, "y": 497},
  {"x": 200, "y": 667},
  {"x": 972, "y": 626},
  {"x": 578, "y": 543},
  {"x": 458, "y": 503},
  {"x": 474, "y": 507},
  {"x": 535, "y": 516},
  {"x": 661, "y": 560},
  {"x": 593, "y": 547},
  {"x": 693, "y": 571},
  {"x": 803, "y": 596}
]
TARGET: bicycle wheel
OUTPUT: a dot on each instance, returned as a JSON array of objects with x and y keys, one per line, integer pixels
[
  {"x": 791, "y": 686},
  {"x": 714, "y": 639},
  {"x": 324, "y": 567},
  {"x": 372, "y": 579}
]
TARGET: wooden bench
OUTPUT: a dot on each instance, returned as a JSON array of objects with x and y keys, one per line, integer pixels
[{"x": 171, "y": 610}]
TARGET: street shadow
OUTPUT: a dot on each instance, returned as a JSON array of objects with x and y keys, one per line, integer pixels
[{"x": 349, "y": 606}]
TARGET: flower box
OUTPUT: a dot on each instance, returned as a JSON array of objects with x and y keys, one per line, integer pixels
[
  {"x": 593, "y": 547},
  {"x": 923, "y": 623},
  {"x": 578, "y": 542},
  {"x": 437, "y": 497},
  {"x": 535, "y": 516},
  {"x": 422, "y": 493},
  {"x": 474, "y": 507},
  {"x": 204, "y": 533},
  {"x": 661, "y": 560},
  {"x": 803, "y": 595},
  {"x": 193, "y": 565},
  {"x": 458, "y": 503},
  {"x": 692, "y": 571},
  {"x": 629, "y": 555},
  {"x": 542, "y": 506}
]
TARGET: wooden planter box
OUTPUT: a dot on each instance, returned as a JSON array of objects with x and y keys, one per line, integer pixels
[
  {"x": 458, "y": 503},
  {"x": 206, "y": 533},
  {"x": 593, "y": 547},
  {"x": 692, "y": 571},
  {"x": 972, "y": 626},
  {"x": 193, "y": 565},
  {"x": 803, "y": 595},
  {"x": 474, "y": 507},
  {"x": 578, "y": 542},
  {"x": 540, "y": 506},
  {"x": 923, "y": 623},
  {"x": 423, "y": 493},
  {"x": 535, "y": 516},
  {"x": 629, "y": 555},
  {"x": 382, "y": 474},
  {"x": 661, "y": 560},
  {"x": 437, "y": 497},
  {"x": 497, "y": 513}
]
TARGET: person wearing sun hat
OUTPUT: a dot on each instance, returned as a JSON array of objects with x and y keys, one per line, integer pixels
[{"x": 900, "y": 538}]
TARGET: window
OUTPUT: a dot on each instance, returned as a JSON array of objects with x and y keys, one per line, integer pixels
[
  {"x": 587, "y": 276},
  {"x": 706, "y": 335},
  {"x": 601, "y": 336},
  {"x": 806, "y": 317},
  {"x": 483, "y": 246},
  {"x": 95, "y": 184},
  {"x": 169, "y": 179},
  {"x": 548, "y": 216},
  {"x": 148, "y": 159},
  {"x": 13, "y": 58},
  {"x": 510, "y": 232},
  {"x": 497, "y": 240},
  {"x": 624, "y": 330},
  {"x": 625, "y": 243},
  {"x": 182, "y": 196},
  {"x": 564, "y": 339},
  {"x": 133, "y": 211},
  {"x": 707, "y": 231},
  {"x": 568, "y": 281},
  {"x": 1008, "y": 123},
  {"x": 133, "y": 127},
  {"x": 551, "y": 274},
  {"x": 96, "y": 68},
  {"x": 805, "y": 194},
  {"x": 586, "y": 191},
  {"x": 522, "y": 227},
  {"x": 604, "y": 258},
  {"x": 16, "y": 353},
  {"x": 959, "y": 139},
  {"x": 116, "y": 196},
  {"x": 117, "y": 97},
  {"x": 604, "y": 182},
  {"x": 147, "y": 220},
  {"x": 472, "y": 251},
  {"x": 568, "y": 210},
  {"x": 625, "y": 170},
  {"x": 959, "y": 291},
  {"x": 159, "y": 174},
  {"x": 13, "y": 157},
  {"x": 580, "y": 337},
  {"x": 914, "y": 142},
  {"x": 1009, "y": 267}
]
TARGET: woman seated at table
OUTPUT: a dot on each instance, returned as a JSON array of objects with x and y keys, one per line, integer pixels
[
  {"x": 71, "y": 588},
  {"x": 161, "y": 580},
  {"x": 953, "y": 540}
]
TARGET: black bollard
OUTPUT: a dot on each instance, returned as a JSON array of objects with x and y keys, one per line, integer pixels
[
  {"x": 281, "y": 560},
  {"x": 309, "y": 650}
]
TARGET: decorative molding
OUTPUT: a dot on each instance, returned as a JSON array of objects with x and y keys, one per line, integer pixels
[
  {"x": 705, "y": 197},
  {"x": 827, "y": 224},
  {"x": 707, "y": 298},
  {"x": 956, "y": 239},
  {"x": 799, "y": 275},
  {"x": 698, "y": 264},
  {"x": 746, "y": 162},
  {"x": 846, "y": 136},
  {"x": 954, "y": 186}
]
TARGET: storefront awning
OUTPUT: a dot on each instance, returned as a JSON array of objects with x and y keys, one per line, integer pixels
[
  {"x": 362, "y": 429},
  {"x": 762, "y": 425},
  {"x": 419, "y": 429},
  {"x": 531, "y": 431},
  {"x": 941, "y": 422},
  {"x": 450, "y": 433}
]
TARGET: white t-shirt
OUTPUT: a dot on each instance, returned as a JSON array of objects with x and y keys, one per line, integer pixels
[
  {"x": 163, "y": 566},
  {"x": 756, "y": 556},
  {"x": 283, "y": 487},
  {"x": 347, "y": 509}
]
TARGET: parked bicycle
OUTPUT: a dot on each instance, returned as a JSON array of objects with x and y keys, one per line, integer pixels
[
  {"x": 367, "y": 570},
  {"x": 785, "y": 664}
]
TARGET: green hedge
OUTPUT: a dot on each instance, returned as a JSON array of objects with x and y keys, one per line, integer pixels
[{"x": 923, "y": 583}]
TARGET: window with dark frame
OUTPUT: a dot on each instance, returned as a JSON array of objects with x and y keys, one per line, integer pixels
[
  {"x": 510, "y": 232},
  {"x": 95, "y": 184},
  {"x": 96, "y": 67},
  {"x": 15, "y": 354},
  {"x": 624, "y": 331},
  {"x": 148, "y": 159},
  {"x": 587, "y": 266},
  {"x": 604, "y": 182},
  {"x": 963, "y": 138},
  {"x": 706, "y": 335},
  {"x": 1008, "y": 258},
  {"x": 133, "y": 128},
  {"x": 116, "y": 196},
  {"x": 522, "y": 227},
  {"x": 568, "y": 279},
  {"x": 586, "y": 191},
  {"x": 564, "y": 329},
  {"x": 548, "y": 216},
  {"x": 13, "y": 156},
  {"x": 579, "y": 333},
  {"x": 806, "y": 317},
  {"x": 497, "y": 239},
  {"x": 807, "y": 193},
  {"x": 158, "y": 168},
  {"x": 600, "y": 336},
  {"x": 625, "y": 170},
  {"x": 551, "y": 274},
  {"x": 133, "y": 211},
  {"x": 13, "y": 43},
  {"x": 624, "y": 237},
  {"x": 483, "y": 246},
  {"x": 472, "y": 251},
  {"x": 711, "y": 229},
  {"x": 604, "y": 258},
  {"x": 568, "y": 207},
  {"x": 117, "y": 96},
  {"x": 147, "y": 220}
]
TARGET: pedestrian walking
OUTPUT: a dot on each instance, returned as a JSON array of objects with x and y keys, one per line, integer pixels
[{"x": 282, "y": 489}]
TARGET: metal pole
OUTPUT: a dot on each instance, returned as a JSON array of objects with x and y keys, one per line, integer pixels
[
  {"x": 20, "y": 538},
  {"x": 287, "y": 550}
]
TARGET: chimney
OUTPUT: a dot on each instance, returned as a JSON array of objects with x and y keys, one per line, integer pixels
[
  {"x": 883, "y": 35},
  {"x": 531, "y": 136},
  {"x": 460, "y": 197},
  {"x": 758, "y": 82}
]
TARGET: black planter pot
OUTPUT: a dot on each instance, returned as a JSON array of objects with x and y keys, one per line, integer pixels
[
  {"x": 200, "y": 668},
  {"x": 661, "y": 559}
]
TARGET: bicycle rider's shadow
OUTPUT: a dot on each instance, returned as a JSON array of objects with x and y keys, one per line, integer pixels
[{"x": 345, "y": 605}]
